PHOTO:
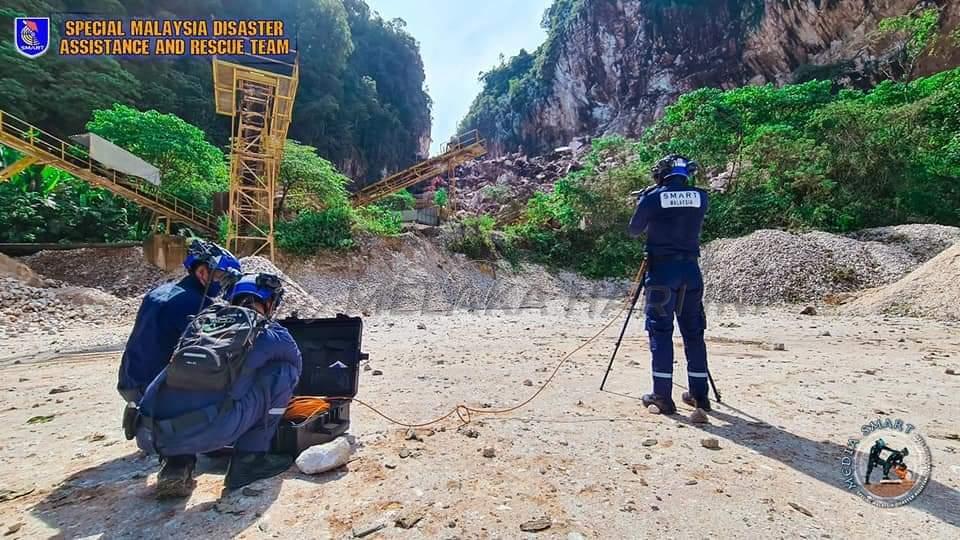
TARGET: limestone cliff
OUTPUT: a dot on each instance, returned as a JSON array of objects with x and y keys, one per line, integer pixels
[{"x": 612, "y": 66}]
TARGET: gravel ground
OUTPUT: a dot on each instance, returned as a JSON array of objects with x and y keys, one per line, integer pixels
[{"x": 594, "y": 464}]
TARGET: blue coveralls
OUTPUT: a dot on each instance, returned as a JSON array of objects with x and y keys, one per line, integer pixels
[
  {"x": 672, "y": 216},
  {"x": 162, "y": 318},
  {"x": 245, "y": 417}
]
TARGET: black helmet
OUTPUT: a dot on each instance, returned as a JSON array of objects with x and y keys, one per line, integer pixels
[{"x": 673, "y": 165}]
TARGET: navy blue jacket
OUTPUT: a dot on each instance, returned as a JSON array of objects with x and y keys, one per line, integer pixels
[
  {"x": 271, "y": 369},
  {"x": 672, "y": 216},
  {"x": 163, "y": 316}
]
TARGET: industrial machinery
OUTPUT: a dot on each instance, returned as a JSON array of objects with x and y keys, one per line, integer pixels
[{"x": 258, "y": 94}]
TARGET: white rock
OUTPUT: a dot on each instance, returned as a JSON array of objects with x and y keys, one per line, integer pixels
[{"x": 325, "y": 457}]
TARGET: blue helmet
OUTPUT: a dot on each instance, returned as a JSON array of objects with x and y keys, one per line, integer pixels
[
  {"x": 264, "y": 287},
  {"x": 214, "y": 256}
]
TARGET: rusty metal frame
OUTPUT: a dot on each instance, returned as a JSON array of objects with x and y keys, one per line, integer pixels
[{"x": 260, "y": 104}]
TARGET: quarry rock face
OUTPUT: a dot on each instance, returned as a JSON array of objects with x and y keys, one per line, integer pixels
[{"x": 620, "y": 63}]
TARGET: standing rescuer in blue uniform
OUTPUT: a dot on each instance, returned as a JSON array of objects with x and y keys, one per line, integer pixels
[
  {"x": 227, "y": 384},
  {"x": 165, "y": 313},
  {"x": 671, "y": 213}
]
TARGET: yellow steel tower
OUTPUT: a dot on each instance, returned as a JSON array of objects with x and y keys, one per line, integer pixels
[{"x": 258, "y": 94}]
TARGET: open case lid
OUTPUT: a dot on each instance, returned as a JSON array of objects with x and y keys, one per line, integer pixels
[{"x": 331, "y": 355}]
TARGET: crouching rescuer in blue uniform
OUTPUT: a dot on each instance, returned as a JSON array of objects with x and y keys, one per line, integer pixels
[
  {"x": 165, "y": 313},
  {"x": 227, "y": 384},
  {"x": 671, "y": 213}
]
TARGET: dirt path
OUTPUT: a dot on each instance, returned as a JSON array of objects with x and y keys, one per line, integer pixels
[{"x": 575, "y": 455}]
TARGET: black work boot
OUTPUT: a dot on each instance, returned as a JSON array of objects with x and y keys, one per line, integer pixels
[
  {"x": 176, "y": 477},
  {"x": 697, "y": 403},
  {"x": 247, "y": 467},
  {"x": 666, "y": 405}
]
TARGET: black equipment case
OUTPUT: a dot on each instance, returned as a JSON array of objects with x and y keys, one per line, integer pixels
[{"x": 331, "y": 369}]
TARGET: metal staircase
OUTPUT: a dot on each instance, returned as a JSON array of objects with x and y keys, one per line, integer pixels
[
  {"x": 40, "y": 147},
  {"x": 464, "y": 148}
]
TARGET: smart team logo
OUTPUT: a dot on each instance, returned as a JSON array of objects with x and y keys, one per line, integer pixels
[
  {"x": 31, "y": 35},
  {"x": 890, "y": 465}
]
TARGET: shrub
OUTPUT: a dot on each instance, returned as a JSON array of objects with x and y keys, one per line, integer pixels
[
  {"x": 313, "y": 230},
  {"x": 441, "y": 198},
  {"x": 473, "y": 236},
  {"x": 401, "y": 200},
  {"x": 379, "y": 220}
]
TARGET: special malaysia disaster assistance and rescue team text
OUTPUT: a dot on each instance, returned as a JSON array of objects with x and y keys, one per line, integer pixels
[{"x": 149, "y": 37}]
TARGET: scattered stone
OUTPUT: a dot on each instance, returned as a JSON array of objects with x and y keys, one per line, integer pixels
[
  {"x": 366, "y": 367},
  {"x": 63, "y": 389},
  {"x": 412, "y": 436},
  {"x": 421, "y": 326},
  {"x": 809, "y": 310},
  {"x": 826, "y": 334},
  {"x": 691, "y": 482},
  {"x": 469, "y": 432},
  {"x": 655, "y": 508},
  {"x": 649, "y": 442},
  {"x": 870, "y": 371},
  {"x": 390, "y": 466},
  {"x": 699, "y": 416},
  {"x": 250, "y": 492},
  {"x": 653, "y": 409},
  {"x": 42, "y": 419},
  {"x": 779, "y": 347},
  {"x": 11, "y": 494},
  {"x": 13, "y": 529},
  {"x": 96, "y": 437},
  {"x": 536, "y": 525},
  {"x": 528, "y": 382},
  {"x": 489, "y": 452},
  {"x": 710, "y": 443},
  {"x": 376, "y": 373},
  {"x": 951, "y": 371},
  {"x": 800, "y": 509},
  {"x": 405, "y": 453},
  {"x": 410, "y": 517},
  {"x": 368, "y": 529}
]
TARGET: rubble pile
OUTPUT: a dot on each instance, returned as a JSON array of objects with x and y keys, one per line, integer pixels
[
  {"x": 491, "y": 185},
  {"x": 50, "y": 310},
  {"x": 771, "y": 267},
  {"x": 121, "y": 272},
  {"x": 295, "y": 298}
]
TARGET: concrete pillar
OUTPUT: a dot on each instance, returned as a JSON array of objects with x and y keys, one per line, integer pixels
[{"x": 165, "y": 251}]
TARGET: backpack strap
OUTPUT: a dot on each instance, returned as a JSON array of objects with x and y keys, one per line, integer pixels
[{"x": 188, "y": 421}]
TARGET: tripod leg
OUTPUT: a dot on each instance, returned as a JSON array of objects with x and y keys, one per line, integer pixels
[{"x": 633, "y": 304}]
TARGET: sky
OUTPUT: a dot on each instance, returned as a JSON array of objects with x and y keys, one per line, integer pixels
[{"x": 458, "y": 40}]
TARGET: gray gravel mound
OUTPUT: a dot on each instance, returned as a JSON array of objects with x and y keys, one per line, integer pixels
[
  {"x": 772, "y": 267},
  {"x": 295, "y": 298},
  {"x": 923, "y": 242}
]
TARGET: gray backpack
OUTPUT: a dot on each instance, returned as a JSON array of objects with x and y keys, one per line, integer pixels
[{"x": 211, "y": 351}]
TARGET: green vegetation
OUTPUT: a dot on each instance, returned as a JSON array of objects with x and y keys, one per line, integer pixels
[
  {"x": 191, "y": 168},
  {"x": 805, "y": 157},
  {"x": 920, "y": 28},
  {"x": 307, "y": 181},
  {"x": 361, "y": 100},
  {"x": 401, "y": 200},
  {"x": 46, "y": 205},
  {"x": 473, "y": 236},
  {"x": 313, "y": 230},
  {"x": 441, "y": 198}
]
